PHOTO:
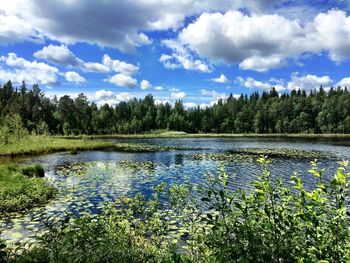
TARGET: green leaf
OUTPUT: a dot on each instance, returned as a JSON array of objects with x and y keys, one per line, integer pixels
[{"x": 341, "y": 177}]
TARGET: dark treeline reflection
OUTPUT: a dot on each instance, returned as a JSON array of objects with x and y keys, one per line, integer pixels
[{"x": 269, "y": 112}]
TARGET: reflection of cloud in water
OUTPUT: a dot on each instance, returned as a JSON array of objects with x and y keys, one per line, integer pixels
[{"x": 88, "y": 186}]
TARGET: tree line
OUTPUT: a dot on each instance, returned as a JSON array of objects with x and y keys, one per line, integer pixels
[{"x": 296, "y": 112}]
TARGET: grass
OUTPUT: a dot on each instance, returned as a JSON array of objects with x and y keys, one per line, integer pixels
[
  {"x": 271, "y": 222},
  {"x": 19, "y": 192},
  {"x": 46, "y": 144},
  {"x": 35, "y": 145}
]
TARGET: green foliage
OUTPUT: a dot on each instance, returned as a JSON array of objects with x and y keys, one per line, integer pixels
[
  {"x": 19, "y": 192},
  {"x": 273, "y": 223},
  {"x": 269, "y": 112},
  {"x": 35, "y": 170},
  {"x": 12, "y": 130},
  {"x": 269, "y": 223},
  {"x": 3, "y": 253},
  {"x": 137, "y": 231}
]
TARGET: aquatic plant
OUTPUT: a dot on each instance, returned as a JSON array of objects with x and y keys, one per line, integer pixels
[
  {"x": 211, "y": 223},
  {"x": 20, "y": 192}
]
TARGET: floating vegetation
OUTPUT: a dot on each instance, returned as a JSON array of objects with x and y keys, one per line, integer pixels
[
  {"x": 138, "y": 148},
  {"x": 232, "y": 158},
  {"x": 251, "y": 154},
  {"x": 279, "y": 153},
  {"x": 137, "y": 166}
]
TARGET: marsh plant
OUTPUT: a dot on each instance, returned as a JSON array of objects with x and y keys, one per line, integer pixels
[
  {"x": 178, "y": 223},
  {"x": 12, "y": 130},
  {"x": 22, "y": 188}
]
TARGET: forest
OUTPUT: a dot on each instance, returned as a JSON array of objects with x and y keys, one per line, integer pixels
[{"x": 268, "y": 112}]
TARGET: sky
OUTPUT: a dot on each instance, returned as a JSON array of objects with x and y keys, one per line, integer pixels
[{"x": 197, "y": 51}]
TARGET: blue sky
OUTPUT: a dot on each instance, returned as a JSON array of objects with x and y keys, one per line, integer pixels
[{"x": 196, "y": 51}]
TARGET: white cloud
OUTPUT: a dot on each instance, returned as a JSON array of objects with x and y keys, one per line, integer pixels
[
  {"x": 178, "y": 95},
  {"x": 190, "y": 105},
  {"x": 333, "y": 33},
  {"x": 159, "y": 88},
  {"x": 95, "y": 67},
  {"x": 145, "y": 84},
  {"x": 174, "y": 89},
  {"x": 214, "y": 94},
  {"x": 102, "y": 97},
  {"x": 221, "y": 79},
  {"x": 255, "y": 42},
  {"x": 251, "y": 83},
  {"x": 308, "y": 82},
  {"x": 62, "y": 55},
  {"x": 118, "y": 24},
  {"x": 72, "y": 76},
  {"x": 181, "y": 57},
  {"x": 59, "y": 55},
  {"x": 14, "y": 29},
  {"x": 345, "y": 82},
  {"x": 19, "y": 69},
  {"x": 120, "y": 66},
  {"x": 262, "y": 64},
  {"x": 122, "y": 80}
]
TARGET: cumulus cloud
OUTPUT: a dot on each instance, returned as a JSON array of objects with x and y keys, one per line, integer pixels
[
  {"x": 309, "y": 82},
  {"x": 102, "y": 97},
  {"x": 14, "y": 29},
  {"x": 345, "y": 82},
  {"x": 221, "y": 79},
  {"x": 181, "y": 57},
  {"x": 117, "y": 24},
  {"x": 145, "y": 84},
  {"x": 19, "y": 69},
  {"x": 59, "y": 55},
  {"x": 333, "y": 33},
  {"x": 251, "y": 83},
  {"x": 178, "y": 95},
  {"x": 254, "y": 42},
  {"x": 122, "y": 80},
  {"x": 72, "y": 76},
  {"x": 119, "y": 66},
  {"x": 95, "y": 67},
  {"x": 214, "y": 94},
  {"x": 62, "y": 55}
]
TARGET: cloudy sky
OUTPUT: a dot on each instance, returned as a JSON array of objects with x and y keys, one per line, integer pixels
[{"x": 195, "y": 50}]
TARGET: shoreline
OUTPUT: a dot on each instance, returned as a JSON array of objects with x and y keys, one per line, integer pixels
[{"x": 210, "y": 135}]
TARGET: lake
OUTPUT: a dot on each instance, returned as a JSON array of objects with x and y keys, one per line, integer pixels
[{"x": 88, "y": 180}]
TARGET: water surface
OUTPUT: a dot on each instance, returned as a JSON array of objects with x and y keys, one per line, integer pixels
[{"x": 89, "y": 180}]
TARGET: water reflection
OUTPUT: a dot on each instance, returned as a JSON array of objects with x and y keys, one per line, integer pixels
[{"x": 88, "y": 180}]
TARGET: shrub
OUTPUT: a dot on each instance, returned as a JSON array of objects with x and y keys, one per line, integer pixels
[
  {"x": 18, "y": 192},
  {"x": 270, "y": 223},
  {"x": 12, "y": 130},
  {"x": 35, "y": 170}
]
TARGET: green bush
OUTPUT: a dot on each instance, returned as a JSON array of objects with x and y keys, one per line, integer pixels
[
  {"x": 270, "y": 223},
  {"x": 12, "y": 130},
  {"x": 18, "y": 192},
  {"x": 274, "y": 223},
  {"x": 35, "y": 170}
]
